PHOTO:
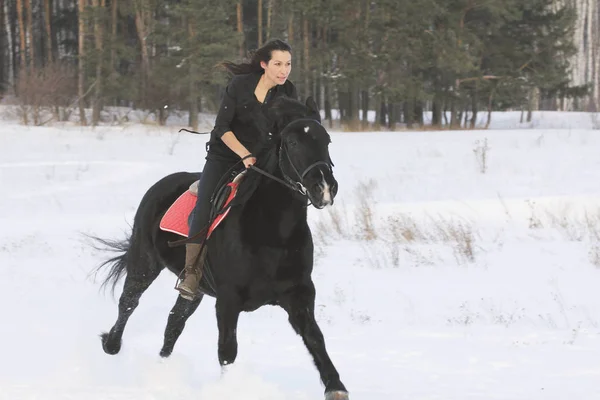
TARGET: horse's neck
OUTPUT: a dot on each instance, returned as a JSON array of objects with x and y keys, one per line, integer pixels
[{"x": 279, "y": 209}]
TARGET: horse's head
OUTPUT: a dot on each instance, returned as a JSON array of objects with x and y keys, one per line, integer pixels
[{"x": 304, "y": 152}]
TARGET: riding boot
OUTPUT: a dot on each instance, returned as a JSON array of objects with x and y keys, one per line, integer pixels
[{"x": 194, "y": 262}]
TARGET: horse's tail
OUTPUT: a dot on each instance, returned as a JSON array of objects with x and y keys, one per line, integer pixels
[{"x": 117, "y": 265}]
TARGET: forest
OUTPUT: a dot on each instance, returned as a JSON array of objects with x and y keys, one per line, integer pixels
[{"x": 399, "y": 59}]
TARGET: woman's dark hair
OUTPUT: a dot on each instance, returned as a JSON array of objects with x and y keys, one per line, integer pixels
[{"x": 262, "y": 54}]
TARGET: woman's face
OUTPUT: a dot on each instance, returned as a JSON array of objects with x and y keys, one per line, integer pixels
[{"x": 279, "y": 66}]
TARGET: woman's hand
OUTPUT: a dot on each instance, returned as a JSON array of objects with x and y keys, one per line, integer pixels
[{"x": 248, "y": 160}]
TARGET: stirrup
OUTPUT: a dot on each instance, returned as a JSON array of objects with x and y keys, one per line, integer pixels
[{"x": 185, "y": 293}]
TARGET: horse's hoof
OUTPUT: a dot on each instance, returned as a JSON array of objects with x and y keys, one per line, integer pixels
[
  {"x": 225, "y": 369},
  {"x": 108, "y": 347},
  {"x": 337, "y": 395},
  {"x": 165, "y": 353}
]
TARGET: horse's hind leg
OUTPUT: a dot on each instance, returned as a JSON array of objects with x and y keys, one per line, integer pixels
[
  {"x": 179, "y": 314},
  {"x": 132, "y": 291}
]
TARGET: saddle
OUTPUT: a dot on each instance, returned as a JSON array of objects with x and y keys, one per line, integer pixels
[{"x": 178, "y": 217}]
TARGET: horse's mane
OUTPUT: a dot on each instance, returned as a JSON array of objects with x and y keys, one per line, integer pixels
[{"x": 283, "y": 111}]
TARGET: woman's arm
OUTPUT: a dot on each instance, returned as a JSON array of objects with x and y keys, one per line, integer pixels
[
  {"x": 234, "y": 144},
  {"x": 222, "y": 128}
]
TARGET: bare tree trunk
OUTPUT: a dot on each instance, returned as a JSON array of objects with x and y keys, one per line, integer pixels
[
  {"x": 419, "y": 112},
  {"x": 305, "y": 34},
  {"x": 445, "y": 113},
  {"x": 379, "y": 119},
  {"x": 454, "y": 118},
  {"x": 343, "y": 98},
  {"x": 291, "y": 27},
  {"x": 409, "y": 113},
  {"x": 260, "y": 23},
  {"x": 240, "y": 28},
  {"x": 194, "y": 106},
  {"x": 99, "y": 34},
  {"x": 365, "y": 108},
  {"x": 143, "y": 31},
  {"x": 270, "y": 8},
  {"x": 318, "y": 91},
  {"x": 114, "y": 4},
  {"x": 474, "y": 107},
  {"x": 4, "y": 49},
  {"x": 490, "y": 103},
  {"x": 81, "y": 80},
  {"x": 48, "y": 26},
  {"x": 391, "y": 111},
  {"x": 530, "y": 105},
  {"x": 327, "y": 102},
  {"x": 11, "y": 41},
  {"x": 58, "y": 31},
  {"x": 29, "y": 11},
  {"x": 22, "y": 41},
  {"x": 436, "y": 111},
  {"x": 193, "y": 118},
  {"x": 353, "y": 105}
]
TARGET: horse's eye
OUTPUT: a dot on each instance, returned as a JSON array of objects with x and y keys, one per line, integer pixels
[{"x": 292, "y": 143}]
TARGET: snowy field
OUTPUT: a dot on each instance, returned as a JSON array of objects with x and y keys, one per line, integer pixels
[{"x": 454, "y": 265}]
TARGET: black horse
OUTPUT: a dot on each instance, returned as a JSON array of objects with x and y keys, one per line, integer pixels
[{"x": 261, "y": 254}]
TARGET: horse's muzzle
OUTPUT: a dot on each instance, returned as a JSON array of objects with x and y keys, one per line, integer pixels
[{"x": 324, "y": 193}]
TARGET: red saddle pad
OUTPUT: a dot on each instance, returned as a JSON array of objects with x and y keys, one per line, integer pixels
[{"x": 175, "y": 219}]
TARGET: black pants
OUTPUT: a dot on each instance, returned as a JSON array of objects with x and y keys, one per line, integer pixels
[{"x": 213, "y": 171}]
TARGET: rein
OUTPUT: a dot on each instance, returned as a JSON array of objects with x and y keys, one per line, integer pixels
[
  {"x": 294, "y": 186},
  {"x": 300, "y": 188}
]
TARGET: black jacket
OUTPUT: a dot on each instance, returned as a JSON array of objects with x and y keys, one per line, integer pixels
[{"x": 242, "y": 113}]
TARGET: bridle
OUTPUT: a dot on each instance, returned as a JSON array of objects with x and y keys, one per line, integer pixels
[{"x": 295, "y": 185}]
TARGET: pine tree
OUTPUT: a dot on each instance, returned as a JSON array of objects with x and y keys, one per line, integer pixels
[{"x": 209, "y": 38}]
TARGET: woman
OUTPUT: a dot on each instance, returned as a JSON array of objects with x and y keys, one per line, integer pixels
[{"x": 242, "y": 123}]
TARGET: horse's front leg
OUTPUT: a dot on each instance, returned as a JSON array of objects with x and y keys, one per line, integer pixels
[
  {"x": 228, "y": 312},
  {"x": 300, "y": 306}
]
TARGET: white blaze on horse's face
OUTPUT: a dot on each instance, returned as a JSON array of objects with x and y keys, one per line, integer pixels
[{"x": 326, "y": 191}]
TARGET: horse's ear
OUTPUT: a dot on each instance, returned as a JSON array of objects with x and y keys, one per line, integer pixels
[{"x": 314, "y": 108}]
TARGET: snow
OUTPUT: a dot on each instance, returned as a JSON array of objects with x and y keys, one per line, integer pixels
[{"x": 462, "y": 285}]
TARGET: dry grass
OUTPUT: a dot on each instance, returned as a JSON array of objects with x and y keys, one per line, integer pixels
[
  {"x": 592, "y": 222},
  {"x": 339, "y": 223},
  {"x": 460, "y": 235},
  {"x": 365, "y": 217},
  {"x": 571, "y": 225},
  {"x": 595, "y": 254},
  {"x": 481, "y": 151},
  {"x": 595, "y": 120},
  {"x": 534, "y": 220},
  {"x": 360, "y": 126},
  {"x": 333, "y": 224},
  {"x": 50, "y": 89},
  {"x": 402, "y": 239},
  {"x": 387, "y": 242},
  {"x": 403, "y": 228}
]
